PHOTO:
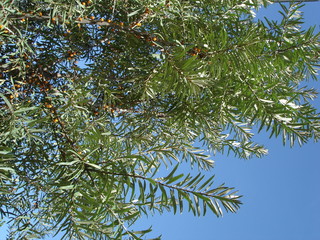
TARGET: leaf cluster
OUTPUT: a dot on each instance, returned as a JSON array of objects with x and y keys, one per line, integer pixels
[{"x": 98, "y": 97}]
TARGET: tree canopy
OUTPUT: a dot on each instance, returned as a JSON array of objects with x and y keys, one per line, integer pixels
[{"x": 98, "y": 96}]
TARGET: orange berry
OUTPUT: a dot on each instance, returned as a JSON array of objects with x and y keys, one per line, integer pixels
[
  {"x": 154, "y": 39},
  {"x": 55, "y": 120},
  {"x": 83, "y": 3},
  {"x": 102, "y": 19},
  {"x": 138, "y": 24},
  {"x": 198, "y": 50},
  {"x": 121, "y": 24},
  {"x": 109, "y": 20},
  {"x": 40, "y": 14},
  {"x": 92, "y": 17}
]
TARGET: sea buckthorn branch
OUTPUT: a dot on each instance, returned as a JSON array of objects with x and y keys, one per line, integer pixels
[
  {"x": 227, "y": 196},
  {"x": 132, "y": 28}
]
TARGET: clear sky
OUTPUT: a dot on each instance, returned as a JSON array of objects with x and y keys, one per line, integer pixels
[{"x": 281, "y": 191}]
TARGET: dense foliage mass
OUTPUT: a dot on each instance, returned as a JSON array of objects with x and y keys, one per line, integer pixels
[{"x": 97, "y": 96}]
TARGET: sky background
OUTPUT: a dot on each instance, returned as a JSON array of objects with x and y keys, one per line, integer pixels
[{"x": 281, "y": 191}]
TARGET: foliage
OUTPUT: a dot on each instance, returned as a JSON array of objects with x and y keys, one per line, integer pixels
[{"x": 98, "y": 96}]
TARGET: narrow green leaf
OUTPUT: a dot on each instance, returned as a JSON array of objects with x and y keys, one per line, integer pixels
[
  {"x": 180, "y": 197},
  {"x": 67, "y": 187},
  {"x": 69, "y": 163},
  {"x": 173, "y": 201},
  {"x": 93, "y": 165},
  {"x": 164, "y": 197},
  {"x": 7, "y": 102},
  {"x": 133, "y": 13},
  {"x": 173, "y": 179}
]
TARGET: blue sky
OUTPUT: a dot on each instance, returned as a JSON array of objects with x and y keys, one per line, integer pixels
[
  {"x": 281, "y": 199},
  {"x": 281, "y": 191}
]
